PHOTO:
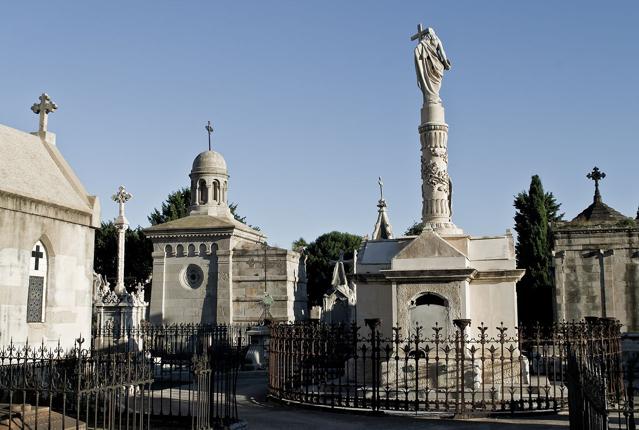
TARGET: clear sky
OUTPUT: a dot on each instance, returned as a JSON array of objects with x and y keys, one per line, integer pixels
[{"x": 311, "y": 101}]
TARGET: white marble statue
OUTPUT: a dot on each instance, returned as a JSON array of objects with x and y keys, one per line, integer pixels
[{"x": 430, "y": 63}]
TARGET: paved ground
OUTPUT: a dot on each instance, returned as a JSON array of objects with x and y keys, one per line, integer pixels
[{"x": 263, "y": 415}]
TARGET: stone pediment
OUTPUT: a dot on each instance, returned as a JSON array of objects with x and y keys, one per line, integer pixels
[{"x": 429, "y": 251}]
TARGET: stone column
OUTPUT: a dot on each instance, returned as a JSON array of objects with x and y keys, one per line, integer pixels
[
  {"x": 121, "y": 225},
  {"x": 436, "y": 184}
]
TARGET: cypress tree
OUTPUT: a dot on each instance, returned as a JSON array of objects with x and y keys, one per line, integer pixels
[{"x": 535, "y": 211}]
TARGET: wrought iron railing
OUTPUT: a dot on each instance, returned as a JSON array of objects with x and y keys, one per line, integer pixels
[
  {"x": 468, "y": 371},
  {"x": 601, "y": 384},
  {"x": 180, "y": 374}
]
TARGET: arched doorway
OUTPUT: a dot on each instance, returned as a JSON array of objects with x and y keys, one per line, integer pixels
[{"x": 428, "y": 310}]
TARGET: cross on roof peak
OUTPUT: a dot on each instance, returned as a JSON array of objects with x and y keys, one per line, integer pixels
[
  {"x": 44, "y": 108},
  {"x": 596, "y": 175},
  {"x": 209, "y": 129}
]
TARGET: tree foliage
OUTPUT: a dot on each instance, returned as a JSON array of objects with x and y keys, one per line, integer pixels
[
  {"x": 137, "y": 254},
  {"x": 415, "y": 229},
  {"x": 299, "y": 245},
  {"x": 535, "y": 211},
  {"x": 174, "y": 207},
  {"x": 321, "y": 256}
]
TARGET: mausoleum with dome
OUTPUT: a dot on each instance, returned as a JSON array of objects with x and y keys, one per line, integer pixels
[{"x": 209, "y": 267}]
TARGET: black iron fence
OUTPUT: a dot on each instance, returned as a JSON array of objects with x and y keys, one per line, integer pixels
[
  {"x": 50, "y": 388},
  {"x": 601, "y": 386},
  {"x": 468, "y": 371},
  {"x": 152, "y": 377}
]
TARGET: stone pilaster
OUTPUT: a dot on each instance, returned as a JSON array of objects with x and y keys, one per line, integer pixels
[
  {"x": 436, "y": 184},
  {"x": 224, "y": 302}
]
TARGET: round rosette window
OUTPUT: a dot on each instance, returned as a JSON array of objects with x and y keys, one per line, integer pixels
[{"x": 193, "y": 276}]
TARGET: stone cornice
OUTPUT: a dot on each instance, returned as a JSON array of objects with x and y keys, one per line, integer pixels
[
  {"x": 500, "y": 275},
  {"x": 33, "y": 206},
  {"x": 437, "y": 276},
  {"x": 203, "y": 235}
]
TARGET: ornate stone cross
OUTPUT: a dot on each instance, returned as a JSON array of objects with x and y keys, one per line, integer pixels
[
  {"x": 44, "y": 108},
  {"x": 421, "y": 33},
  {"x": 209, "y": 129},
  {"x": 121, "y": 197},
  {"x": 596, "y": 175}
]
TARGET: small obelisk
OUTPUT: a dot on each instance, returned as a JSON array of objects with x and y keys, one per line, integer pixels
[
  {"x": 430, "y": 64},
  {"x": 121, "y": 225}
]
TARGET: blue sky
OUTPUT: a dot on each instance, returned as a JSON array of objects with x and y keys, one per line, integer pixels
[{"x": 311, "y": 101}]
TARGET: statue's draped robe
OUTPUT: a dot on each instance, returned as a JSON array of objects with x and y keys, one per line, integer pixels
[{"x": 430, "y": 70}]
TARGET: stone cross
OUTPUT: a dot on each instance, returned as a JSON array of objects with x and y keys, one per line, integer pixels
[
  {"x": 381, "y": 187},
  {"x": 121, "y": 224},
  {"x": 421, "y": 33},
  {"x": 209, "y": 129},
  {"x": 596, "y": 175},
  {"x": 44, "y": 108}
]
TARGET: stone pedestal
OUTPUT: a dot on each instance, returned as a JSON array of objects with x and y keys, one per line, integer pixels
[{"x": 436, "y": 184}]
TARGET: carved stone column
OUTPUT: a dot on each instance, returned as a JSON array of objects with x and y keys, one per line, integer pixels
[{"x": 436, "y": 184}]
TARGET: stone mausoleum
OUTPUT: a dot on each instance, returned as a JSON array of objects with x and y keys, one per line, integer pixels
[
  {"x": 209, "y": 267},
  {"x": 597, "y": 264},
  {"x": 442, "y": 274},
  {"x": 47, "y": 231}
]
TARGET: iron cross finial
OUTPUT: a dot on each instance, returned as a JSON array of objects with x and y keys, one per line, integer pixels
[
  {"x": 44, "y": 108},
  {"x": 209, "y": 129},
  {"x": 596, "y": 175}
]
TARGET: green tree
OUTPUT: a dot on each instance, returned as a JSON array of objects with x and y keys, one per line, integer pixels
[
  {"x": 175, "y": 206},
  {"x": 137, "y": 254},
  {"x": 321, "y": 253},
  {"x": 299, "y": 245},
  {"x": 415, "y": 229},
  {"x": 535, "y": 211}
]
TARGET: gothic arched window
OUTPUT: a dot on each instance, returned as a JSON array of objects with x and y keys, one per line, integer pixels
[
  {"x": 38, "y": 267},
  {"x": 203, "y": 191}
]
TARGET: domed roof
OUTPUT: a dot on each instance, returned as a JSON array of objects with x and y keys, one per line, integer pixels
[{"x": 209, "y": 162}]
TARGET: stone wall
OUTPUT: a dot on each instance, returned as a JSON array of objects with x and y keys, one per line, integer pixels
[
  {"x": 578, "y": 282},
  {"x": 232, "y": 284},
  {"x": 69, "y": 278}
]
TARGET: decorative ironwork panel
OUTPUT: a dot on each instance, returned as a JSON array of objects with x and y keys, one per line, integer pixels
[{"x": 35, "y": 299}]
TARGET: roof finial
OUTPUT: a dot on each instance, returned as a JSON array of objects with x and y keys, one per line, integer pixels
[
  {"x": 596, "y": 175},
  {"x": 383, "y": 228},
  {"x": 209, "y": 128},
  {"x": 44, "y": 108}
]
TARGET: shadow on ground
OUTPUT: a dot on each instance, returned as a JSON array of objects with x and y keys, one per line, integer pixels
[{"x": 261, "y": 414}]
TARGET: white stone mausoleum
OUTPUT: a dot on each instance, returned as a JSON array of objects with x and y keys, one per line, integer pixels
[
  {"x": 47, "y": 230},
  {"x": 442, "y": 274}
]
